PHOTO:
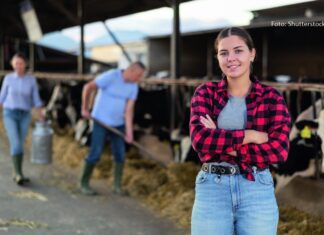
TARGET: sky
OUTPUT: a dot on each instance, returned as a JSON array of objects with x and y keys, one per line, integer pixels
[{"x": 195, "y": 16}]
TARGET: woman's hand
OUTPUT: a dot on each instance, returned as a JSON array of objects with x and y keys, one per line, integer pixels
[
  {"x": 233, "y": 153},
  {"x": 252, "y": 136},
  {"x": 40, "y": 114},
  {"x": 256, "y": 137},
  {"x": 207, "y": 122}
]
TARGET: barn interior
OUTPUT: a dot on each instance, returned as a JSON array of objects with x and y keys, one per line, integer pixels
[{"x": 186, "y": 60}]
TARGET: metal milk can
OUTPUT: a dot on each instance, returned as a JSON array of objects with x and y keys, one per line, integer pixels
[{"x": 41, "y": 152}]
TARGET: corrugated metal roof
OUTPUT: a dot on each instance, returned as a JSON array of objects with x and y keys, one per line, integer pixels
[{"x": 55, "y": 15}]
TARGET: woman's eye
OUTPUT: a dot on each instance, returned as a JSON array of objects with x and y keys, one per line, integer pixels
[
  {"x": 238, "y": 51},
  {"x": 223, "y": 53}
]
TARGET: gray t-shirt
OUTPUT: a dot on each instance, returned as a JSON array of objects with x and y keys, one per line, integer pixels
[{"x": 233, "y": 116}]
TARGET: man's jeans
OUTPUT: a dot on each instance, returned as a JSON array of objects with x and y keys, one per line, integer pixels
[
  {"x": 16, "y": 123},
  {"x": 225, "y": 204},
  {"x": 98, "y": 139}
]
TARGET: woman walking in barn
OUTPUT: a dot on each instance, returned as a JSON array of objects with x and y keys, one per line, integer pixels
[
  {"x": 19, "y": 94},
  {"x": 238, "y": 127}
]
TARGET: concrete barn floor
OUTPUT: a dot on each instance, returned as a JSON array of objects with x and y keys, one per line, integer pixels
[
  {"x": 52, "y": 205},
  {"x": 306, "y": 194}
]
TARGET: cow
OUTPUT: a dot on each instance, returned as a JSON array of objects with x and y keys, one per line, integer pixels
[
  {"x": 181, "y": 143},
  {"x": 64, "y": 106},
  {"x": 152, "y": 110},
  {"x": 82, "y": 131},
  {"x": 152, "y": 116},
  {"x": 304, "y": 154}
]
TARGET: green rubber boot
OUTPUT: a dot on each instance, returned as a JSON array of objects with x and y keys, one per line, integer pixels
[
  {"x": 18, "y": 176},
  {"x": 118, "y": 175},
  {"x": 85, "y": 178},
  {"x": 20, "y": 166}
]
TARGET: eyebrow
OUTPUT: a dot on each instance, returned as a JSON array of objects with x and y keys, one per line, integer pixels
[{"x": 233, "y": 48}]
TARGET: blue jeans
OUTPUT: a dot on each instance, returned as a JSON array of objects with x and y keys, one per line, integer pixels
[
  {"x": 230, "y": 203},
  {"x": 98, "y": 139},
  {"x": 16, "y": 123}
]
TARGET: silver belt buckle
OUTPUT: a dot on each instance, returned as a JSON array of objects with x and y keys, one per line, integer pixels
[{"x": 233, "y": 170}]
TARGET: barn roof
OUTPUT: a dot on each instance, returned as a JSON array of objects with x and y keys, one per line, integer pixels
[
  {"x": 55, "y": 15},
  {"x": 306, "y": 10},
  {"x": 301, "y": 12}
]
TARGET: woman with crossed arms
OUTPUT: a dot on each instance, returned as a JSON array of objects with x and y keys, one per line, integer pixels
[{"x": 238, "y": 127}]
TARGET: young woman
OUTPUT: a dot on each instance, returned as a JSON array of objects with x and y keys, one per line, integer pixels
[
  {"x": 19, "y": 94},
  {"x": 238, "y": 127}
]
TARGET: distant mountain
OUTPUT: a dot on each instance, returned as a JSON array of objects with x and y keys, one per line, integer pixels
[
  {"x": 123, "y": 36},
  {"x": 59, "y": 41}
]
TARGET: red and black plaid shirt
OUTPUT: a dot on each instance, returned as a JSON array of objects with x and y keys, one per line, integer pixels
[{"x": 266, "y": 112}]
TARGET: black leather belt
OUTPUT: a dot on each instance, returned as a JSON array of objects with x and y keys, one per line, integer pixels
[{"x": 219, "y": 169}]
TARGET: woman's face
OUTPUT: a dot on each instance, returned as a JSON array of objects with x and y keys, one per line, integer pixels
[
  {"x": 19, "y": 65},
  {"x": 234, "y": 57}
]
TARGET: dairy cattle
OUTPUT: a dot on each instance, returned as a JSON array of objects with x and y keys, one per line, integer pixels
[
  {"x": 152, "y": 110},
  {"x": 304, "y": 156},
  {"x": 181, "y": 142},
  {"x": 152, "y": 113},
  {"x": 64, "y": 106}
]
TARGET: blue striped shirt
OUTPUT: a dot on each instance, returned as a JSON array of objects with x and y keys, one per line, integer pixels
[{"x": 19, "y": 92}]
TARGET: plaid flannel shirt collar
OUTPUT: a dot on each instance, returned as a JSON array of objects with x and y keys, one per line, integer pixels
[{"x": 257, "y": 88}]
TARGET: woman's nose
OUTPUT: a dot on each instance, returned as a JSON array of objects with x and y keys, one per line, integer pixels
[{"x": 231, "y": 56}]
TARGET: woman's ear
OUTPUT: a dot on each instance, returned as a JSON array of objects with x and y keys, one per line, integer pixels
[{"x": 253, "y": 52}]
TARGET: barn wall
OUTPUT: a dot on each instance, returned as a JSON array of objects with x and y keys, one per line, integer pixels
[
  {"x": 297, "y": 52},
  {"x": 193, "y": 51},
  {"x": 293, "y": 51}
]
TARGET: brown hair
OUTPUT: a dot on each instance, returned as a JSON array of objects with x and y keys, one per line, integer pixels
[
  {"x": 20, "y": 55},
  {"x": 235, "y": 31}
]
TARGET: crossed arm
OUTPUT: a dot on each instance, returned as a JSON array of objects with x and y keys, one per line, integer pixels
[
  {"x": 249, "y": 146},
  {"x": 250, "y": 136}
]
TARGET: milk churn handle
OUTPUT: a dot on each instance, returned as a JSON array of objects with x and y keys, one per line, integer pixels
[{"x": 149, "y": 154}]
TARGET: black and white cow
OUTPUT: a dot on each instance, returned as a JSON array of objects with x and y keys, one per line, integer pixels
[
  {"x": 305, "y": 154},
  {"x": 152, "y": 116},
  {"x": 152, "y": 110},
  {"x": 82, "y": 131},
  {"x": 181, "y": 142},
  {"x": 64, "y": 106}
]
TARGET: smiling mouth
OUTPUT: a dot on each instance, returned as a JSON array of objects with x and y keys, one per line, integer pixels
[{"x": 233, "y": 66}]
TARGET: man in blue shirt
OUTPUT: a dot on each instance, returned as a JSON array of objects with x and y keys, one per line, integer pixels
[{"x": 114, "y": 107}]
